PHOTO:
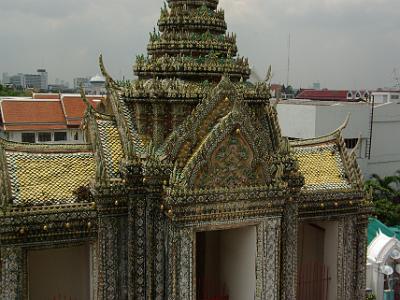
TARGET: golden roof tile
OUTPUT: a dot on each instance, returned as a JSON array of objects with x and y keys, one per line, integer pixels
[
  {"x": 43, "y": 178},
  {"x": 322, "y": 166},
  {"x": 112, "y": 146}
]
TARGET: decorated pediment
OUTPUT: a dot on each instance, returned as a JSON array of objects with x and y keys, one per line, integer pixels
[
  {"x": 187, "y": 138},
  {"x": 232, "y": 163},
  {"x": 219, "y": 146}
]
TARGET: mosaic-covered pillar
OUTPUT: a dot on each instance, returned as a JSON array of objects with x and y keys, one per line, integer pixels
[
  {"x": 157, "y": 249},
  {"x": 180, "y": 263},
  {"x": 361, "y": 252},
  {"x": 146, "y": 237},
  {"x": 289, "y": 251},
  {"x": 13, "y": 273},
  {"x": 267, "y": 262},
  {"x": 112, "y": 255},
  {"x": 137, "y": 247},
  {"x": 347, "y": 244}
]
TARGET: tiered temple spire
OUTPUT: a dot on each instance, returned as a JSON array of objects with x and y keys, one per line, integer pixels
[{"x": 192, "y": 44}]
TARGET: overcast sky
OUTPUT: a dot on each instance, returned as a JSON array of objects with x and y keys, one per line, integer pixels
[{"x": 340, "y": 43}]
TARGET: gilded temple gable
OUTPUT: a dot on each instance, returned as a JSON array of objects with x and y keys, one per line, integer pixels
[
  {"x": 232, "y": 154},
  {"x": 224, "y": 99}
]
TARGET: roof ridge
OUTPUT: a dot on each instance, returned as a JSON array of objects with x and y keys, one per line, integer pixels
[{"x": 44, "y": 148}]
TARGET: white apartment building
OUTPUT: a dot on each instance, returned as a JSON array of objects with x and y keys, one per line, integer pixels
[{"x": 386, "y": 95}]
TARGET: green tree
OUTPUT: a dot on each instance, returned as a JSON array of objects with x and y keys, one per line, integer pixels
[
  {"x": 386, "y": 197},
  {"x": 8, "y": 92}
]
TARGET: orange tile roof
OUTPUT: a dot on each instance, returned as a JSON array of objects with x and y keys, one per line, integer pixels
[
  {"x": 44, "y": 114},
  {"x": 74, "y": 108}
]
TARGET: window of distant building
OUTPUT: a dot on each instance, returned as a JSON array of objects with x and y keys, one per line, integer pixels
[
  {"x": 385, "y": 98},
  {"x": 60, "y": 136},
  {"x": 351, "y": 143},
  {"x": 44, "y": 137},
  {"x": 28, "y": 137},
  {"x": 76, "y": 135},
  {"x": 395, "y": 97}
]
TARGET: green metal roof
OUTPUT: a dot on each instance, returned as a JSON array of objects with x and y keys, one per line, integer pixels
[{"x": 374, "y": 225}]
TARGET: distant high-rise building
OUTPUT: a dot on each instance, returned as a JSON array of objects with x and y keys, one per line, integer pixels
[
  {"x": 81, "y": 81},
  {"x": 18, "y": 80},
  {"x": 37, "y": 81},
  {"x": 5, "y": 79},
  {"x": 44, "y": 79}
]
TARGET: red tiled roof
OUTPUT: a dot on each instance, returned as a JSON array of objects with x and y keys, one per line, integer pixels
[
  {"x": 324, "y": 95},
  {"x": 74, "y": 108},
  {"x": 49, "y": 114},
  {"x": 27, "y": 115}
]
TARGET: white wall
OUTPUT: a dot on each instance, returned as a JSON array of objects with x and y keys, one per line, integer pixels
[
  {"x": 385, "y": 150},
  {"x": 238, "y": 262},
  {"x": 231, "y": 262},
  {"x": 329, "y": 118},
  {"x": 63, "y": 271},
  {"x": 16, "y": 136},
  {"x": 297, "y": 120}
]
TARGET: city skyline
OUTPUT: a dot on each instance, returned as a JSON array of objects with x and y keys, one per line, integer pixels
[{"x": 342, "y": 44}]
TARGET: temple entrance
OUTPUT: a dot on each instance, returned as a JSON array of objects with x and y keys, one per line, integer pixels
[
  {"x": 61, "y": 273},
  {"x": 317, "y": 258},
  {"x": 225, "y": 264}
]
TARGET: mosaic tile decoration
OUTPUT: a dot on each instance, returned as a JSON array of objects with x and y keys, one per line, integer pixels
[
  {"x": 112, "y": 146},
  {"x": 49, "y": 178},
  {"x": 322, "y": 167}
]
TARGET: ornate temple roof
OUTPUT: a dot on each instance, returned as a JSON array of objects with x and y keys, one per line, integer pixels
[{"x": 191, "y": 113}]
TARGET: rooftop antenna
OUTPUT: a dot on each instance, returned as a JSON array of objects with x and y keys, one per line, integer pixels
[{"x": 288, "y": 63}]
